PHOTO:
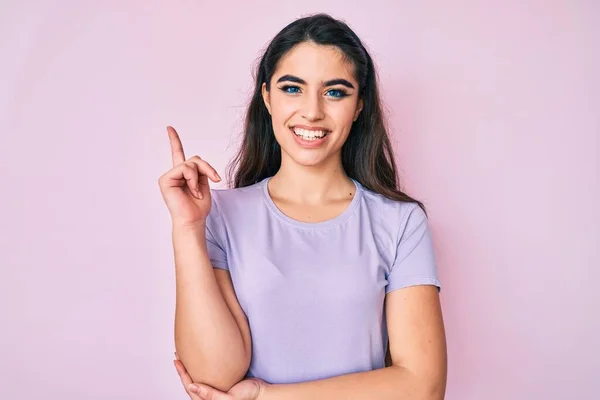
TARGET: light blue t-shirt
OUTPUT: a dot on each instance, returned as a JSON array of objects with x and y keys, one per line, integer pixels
[{"x": 314, "y": 293}]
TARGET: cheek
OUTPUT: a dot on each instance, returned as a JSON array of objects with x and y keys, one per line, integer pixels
[
  {"x": 281, "y": 114},
  {"x": 342, "y": 115},
  {"x": 282, "y": 107}
]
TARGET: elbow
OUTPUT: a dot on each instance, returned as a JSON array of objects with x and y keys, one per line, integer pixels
[
  {"x": 221, "y": 375},
  {"x": 425, "y": 385},
  {"x": 425, "y": 391},
  {"x": 431, "y": 389},
  {"x": 434, "y": 393}
]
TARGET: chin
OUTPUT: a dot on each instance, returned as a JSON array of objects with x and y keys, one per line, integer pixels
[
  {"x": 311, "y": 158},
  {"x": 309, "y": 154},
  {"x": 309, "y": 163}
]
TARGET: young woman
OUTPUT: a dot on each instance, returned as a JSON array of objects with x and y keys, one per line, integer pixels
[{"x": 291, "y": 284}]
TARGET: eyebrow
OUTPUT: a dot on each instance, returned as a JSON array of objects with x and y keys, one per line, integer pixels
[{"x": 332, "y": 82}]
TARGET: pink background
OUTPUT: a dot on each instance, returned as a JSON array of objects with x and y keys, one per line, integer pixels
[{"x": 495, "y": 110}]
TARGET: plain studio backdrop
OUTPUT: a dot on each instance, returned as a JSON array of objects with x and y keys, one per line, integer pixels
[{"x": 494, "y": 109}]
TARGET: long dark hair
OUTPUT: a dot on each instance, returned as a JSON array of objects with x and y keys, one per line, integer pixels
[{"x": 367, "y": 154}]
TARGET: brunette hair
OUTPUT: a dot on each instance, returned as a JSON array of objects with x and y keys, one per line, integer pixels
[{"x": 367, "y": 154}]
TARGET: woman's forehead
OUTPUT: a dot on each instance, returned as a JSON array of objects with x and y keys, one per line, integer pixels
[{"x": 315, "y": 64}]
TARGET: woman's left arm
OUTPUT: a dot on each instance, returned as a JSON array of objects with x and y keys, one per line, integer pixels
[
  {"x": 418, "y": 350},
  {"x": 419, "y": 362}
]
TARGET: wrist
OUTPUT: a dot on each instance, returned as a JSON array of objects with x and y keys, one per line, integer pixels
[
  {"x": 263, "y": 393},
  {"x": 189, "y": 227}
]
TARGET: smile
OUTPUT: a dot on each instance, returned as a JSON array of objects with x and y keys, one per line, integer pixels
[{"x": 309, "y": 135}]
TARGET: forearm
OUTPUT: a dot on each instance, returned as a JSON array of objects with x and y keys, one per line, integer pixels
[
  {"x": 207, "y": 338},
  {"x": 394, "y": 382}
]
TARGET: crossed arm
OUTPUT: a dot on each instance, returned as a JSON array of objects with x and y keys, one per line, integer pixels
[
  {"x": 418, "y": 350},
  {"x": 220, "y": 357}
]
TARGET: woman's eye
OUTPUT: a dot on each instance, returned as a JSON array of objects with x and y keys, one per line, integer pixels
[
  {"x": 336, "y": 93},
  {"x": 291, "y": 89}
]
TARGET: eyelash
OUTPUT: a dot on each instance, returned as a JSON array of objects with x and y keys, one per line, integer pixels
[{"x": 342, "y": 92}]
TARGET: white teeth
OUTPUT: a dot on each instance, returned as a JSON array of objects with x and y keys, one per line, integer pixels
[{"x": 309, "y": 135}]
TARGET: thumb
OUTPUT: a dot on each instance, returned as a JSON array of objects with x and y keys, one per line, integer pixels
[{"x": 208, "y": 393}]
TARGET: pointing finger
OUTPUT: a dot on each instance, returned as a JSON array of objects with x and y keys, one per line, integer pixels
[{"x": 176, "y": 146}]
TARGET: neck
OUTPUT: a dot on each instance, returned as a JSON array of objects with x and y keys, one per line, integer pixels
[{"x": 314, "y": 184}]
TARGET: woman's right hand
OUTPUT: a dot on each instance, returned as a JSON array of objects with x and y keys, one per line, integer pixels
[{"x": 185, "y": 187}]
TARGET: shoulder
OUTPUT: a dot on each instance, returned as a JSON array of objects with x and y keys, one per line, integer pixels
[
  {"x": 396, "y": 216},
  {"x": 229, "y": 202}
]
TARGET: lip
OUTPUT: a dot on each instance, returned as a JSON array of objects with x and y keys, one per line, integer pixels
[
  {"x": 310, "y": 128},
  {"x": 309, "y": 144}
]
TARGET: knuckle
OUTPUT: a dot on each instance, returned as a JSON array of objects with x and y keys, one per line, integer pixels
[{"x": 190, "y": 164}]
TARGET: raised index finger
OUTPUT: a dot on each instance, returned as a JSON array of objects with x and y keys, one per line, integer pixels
[{"x": 176, "y": 146}]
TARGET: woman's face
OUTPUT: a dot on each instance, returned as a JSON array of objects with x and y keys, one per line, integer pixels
[{"x": 313, "y": 101}]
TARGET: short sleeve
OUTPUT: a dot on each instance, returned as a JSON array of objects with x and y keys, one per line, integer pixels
[
  {"x": 215, "y": 238},
  {"x": 414, "y": 263}
]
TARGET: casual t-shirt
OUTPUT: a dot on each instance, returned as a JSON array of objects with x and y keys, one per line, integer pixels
[{"x": 314, "y": 293}]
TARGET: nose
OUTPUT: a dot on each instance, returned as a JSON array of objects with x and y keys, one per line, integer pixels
[{"x": 313, "y": 108}]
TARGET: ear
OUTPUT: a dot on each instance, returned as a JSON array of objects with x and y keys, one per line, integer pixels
[
  {"x": 359, "y": 108},
  {"x": 266, "y": 97}
]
